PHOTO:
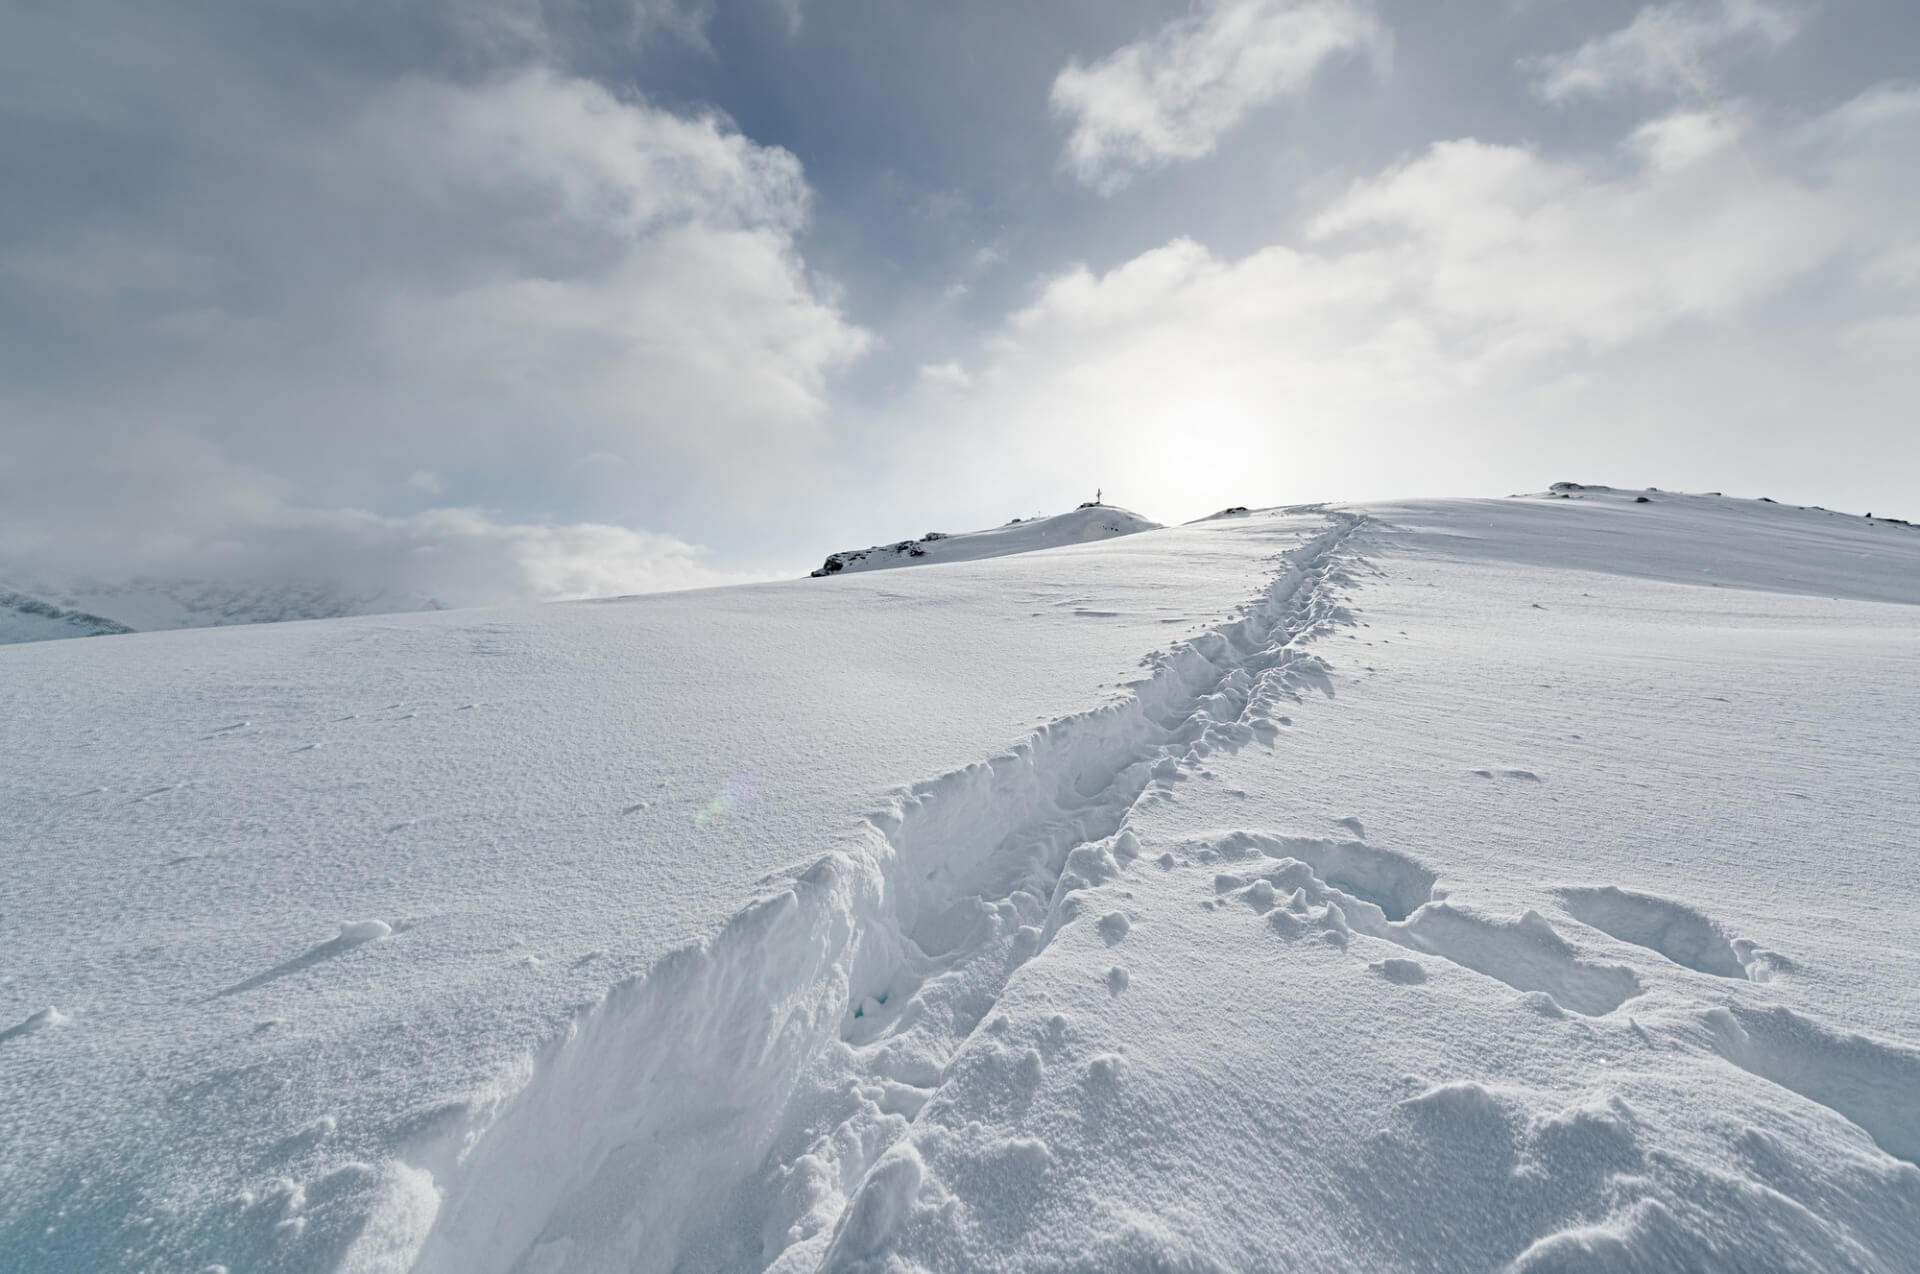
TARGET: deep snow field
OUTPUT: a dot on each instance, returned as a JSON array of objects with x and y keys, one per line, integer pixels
[{"x": 1450, "y": 886}]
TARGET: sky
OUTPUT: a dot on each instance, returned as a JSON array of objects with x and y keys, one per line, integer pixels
[{"x": 502, "y": 300}]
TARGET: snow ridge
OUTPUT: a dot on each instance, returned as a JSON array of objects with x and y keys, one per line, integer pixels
[{"x": 742, "y": 1104}]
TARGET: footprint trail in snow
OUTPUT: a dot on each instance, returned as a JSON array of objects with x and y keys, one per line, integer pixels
[
  {"x": 680, "y": 1122},
  {"x": 839, "y": 1075}
]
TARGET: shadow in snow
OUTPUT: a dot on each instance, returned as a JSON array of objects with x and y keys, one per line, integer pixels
[{"x": 352, "y": 936}]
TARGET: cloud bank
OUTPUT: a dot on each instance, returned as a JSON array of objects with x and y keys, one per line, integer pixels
[
  {"x": 169, "y": 508},
  {"x": 393, "y": 297}
]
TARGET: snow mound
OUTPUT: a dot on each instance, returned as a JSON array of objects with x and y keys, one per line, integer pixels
[
  {"x": 1084, "y": 525},
  {"x": 38, "y": 1020}
]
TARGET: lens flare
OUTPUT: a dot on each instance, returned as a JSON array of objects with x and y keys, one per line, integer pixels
[{"x": 735, "y": 794}]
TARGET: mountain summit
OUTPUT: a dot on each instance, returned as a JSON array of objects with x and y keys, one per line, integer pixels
[{"x": 1084, "y": 525}]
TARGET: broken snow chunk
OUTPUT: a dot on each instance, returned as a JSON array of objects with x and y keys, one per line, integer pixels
[
  {"x": 883, "y": 1202},
  {"x": 1542, "y": 1003},
  {"x": 1405, "y": 972},
  {"x": 40, "y": 1019}
]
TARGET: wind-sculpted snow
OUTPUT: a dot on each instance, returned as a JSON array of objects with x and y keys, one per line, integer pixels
[{"x": 731, "y": 1105}]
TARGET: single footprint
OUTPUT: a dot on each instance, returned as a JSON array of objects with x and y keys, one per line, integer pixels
[
  {"x": 1404, "y": 972},
  {"x": 1872, "y": 1085},
  {"x": 1675, "y": 930},
  {"x": 1526, "y": 954},
  {"x": 1391, "y": 881}
]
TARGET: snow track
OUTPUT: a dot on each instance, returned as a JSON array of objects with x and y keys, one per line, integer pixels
[{"x": 720, "y": 1111}]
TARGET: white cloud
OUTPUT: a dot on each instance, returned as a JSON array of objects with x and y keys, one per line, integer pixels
[
  {"x": 1172, "y": 96},
  {"x": 464, "y": 557},
  {"x": 949, "y": 375},
  {"x": 572, "y": 154},
  {"x": 167, "y": 506},
  {"x": 1494, "y": 239},
  {"x": 636, "y": 272},
  {"x": 1668, "y": 47},
  {"x": 536, "y": 270}
]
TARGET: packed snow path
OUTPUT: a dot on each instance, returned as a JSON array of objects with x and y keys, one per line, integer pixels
[
  {"x": 898, "y": 1105},
  {"x": 289, "y": 906}
]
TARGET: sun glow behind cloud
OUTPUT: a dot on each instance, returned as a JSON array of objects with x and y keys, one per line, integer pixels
[{"x": 1470, "y": 291}]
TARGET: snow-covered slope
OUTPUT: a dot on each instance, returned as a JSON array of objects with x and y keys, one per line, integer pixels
[
  {"x": 43, "y": 611},
  {"x": 1083, "y": 525},
  {"x": 1458, "y": 885}
]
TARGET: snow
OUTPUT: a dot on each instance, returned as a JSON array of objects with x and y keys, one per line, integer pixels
[
  {"x": 1087, "y": 524},
  {"x": 1453, "y": 885},
  {"x": 539, "y": 802}
]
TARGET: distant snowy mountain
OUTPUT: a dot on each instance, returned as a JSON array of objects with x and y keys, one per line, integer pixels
[
  {"x": 1085, "y": 524},
  {"x": 27, "y": 618},
  {"x": 33, "y": 610}
]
